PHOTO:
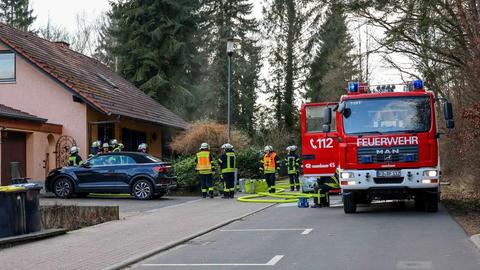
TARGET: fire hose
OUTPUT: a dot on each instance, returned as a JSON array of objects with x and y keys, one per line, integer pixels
[{"x": 280, "y": 196}]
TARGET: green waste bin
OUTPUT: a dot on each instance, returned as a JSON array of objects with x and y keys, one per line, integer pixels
[
  {"x": 32, "y": 207},
  {"x": 12, "y": 211}
]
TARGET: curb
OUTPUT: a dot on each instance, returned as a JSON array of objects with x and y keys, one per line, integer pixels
[
  {"x": 476, "y": 240},
  {"x": 135, "y": 259}
]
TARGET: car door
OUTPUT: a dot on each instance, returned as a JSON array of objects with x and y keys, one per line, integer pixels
[
  {"x": 121, "y": 173},
  {"x": 95, "y": 174},
  {"x": 319, "y": 149}
]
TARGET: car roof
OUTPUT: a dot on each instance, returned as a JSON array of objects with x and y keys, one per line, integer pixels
[{"x": 125, "y": 153}]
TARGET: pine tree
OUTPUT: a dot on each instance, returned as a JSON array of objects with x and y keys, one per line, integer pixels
[
  {"x": 16, "y": 13},
  {"x": 220, "y": 20},
  {"x": 283, "y": 27},
  {"x": 149, "y": 42},
  {"x": 333, "y": 64}
]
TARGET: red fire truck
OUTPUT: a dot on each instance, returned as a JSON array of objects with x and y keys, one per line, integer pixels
[{"x": 382, "y": 144}]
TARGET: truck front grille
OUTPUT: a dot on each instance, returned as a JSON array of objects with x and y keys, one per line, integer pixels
[
  {"x": 388, "y": 180},
  {"x": 387, "y": 154}
]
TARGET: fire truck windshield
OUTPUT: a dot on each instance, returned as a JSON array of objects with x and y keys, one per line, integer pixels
[{"x": 387, "y": 115}]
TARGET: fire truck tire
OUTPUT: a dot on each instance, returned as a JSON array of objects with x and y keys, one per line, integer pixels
[
  {"x": 419, "y": 202},
  {"x": 349, "y": 204},
  {"x": 431, "y": 202}
]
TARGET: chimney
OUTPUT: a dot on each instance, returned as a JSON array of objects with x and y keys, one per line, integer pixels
[{"x": 63, "y": 44}]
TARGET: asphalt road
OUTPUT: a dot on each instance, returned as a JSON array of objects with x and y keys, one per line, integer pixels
[
  {"x": 391, "y": 236},
  {"x": 128, "y": 206}
]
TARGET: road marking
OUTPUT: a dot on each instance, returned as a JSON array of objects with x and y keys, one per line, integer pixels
[
  {"x": 272, "y": 262},
  {"x": 416, "y": 265},
  {"x": 307, "y": 231},
  {"x": 304, "y": 231}
]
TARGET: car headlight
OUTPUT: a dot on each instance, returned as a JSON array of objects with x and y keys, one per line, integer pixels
[
  {"x": 430, "y": 173},
  {"x": 346, "y": 175}
]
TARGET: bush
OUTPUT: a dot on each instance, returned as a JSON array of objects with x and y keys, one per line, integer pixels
[
  {"x": 248, "y": 162},
  {"x": 184, "y": 168},
  {"x": 213, "y": 133},
  {"x": 187, "y": 178}
]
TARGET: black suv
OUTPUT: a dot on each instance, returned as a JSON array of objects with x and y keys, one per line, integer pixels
[{"x": 142, "y": 175}]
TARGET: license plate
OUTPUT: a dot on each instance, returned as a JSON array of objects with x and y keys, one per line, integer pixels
[{"x": 389, "y": 173}]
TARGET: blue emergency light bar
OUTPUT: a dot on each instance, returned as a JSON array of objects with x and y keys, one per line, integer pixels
[
  {"x": 417, "y": 85},
  {"x": 353, "y": 87}
]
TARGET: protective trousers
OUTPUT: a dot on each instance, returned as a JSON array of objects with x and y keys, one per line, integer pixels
[
  {"x": 294, "y": 182},
  {"x": 229, "y": 182},
  {"x": 322, "y": 197},
  {"x": 270, "y": 178},
  {"x": 206, "y": 184}
]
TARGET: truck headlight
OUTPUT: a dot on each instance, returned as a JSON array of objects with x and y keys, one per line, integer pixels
[
  {"x": 346, "y": 175},
  {"x": 430, "y": 173}
]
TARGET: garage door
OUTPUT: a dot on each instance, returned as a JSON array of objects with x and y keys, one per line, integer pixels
[{"x": 13, "y": 150}]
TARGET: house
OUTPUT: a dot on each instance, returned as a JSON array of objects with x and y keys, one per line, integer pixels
[{"x": 52, "y": 98}]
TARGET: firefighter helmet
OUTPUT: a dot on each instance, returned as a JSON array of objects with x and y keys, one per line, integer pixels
[
  {"x": 227, "y": 146},
  {"x": 204, "y": 146},
  {"x": 142, "y": 146},
  {"x": 74, "y": 150}
]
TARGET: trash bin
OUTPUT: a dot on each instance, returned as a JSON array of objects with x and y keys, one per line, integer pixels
[
  {"x": 12, "y": 211},
  {"x": 32, "y": 207}
]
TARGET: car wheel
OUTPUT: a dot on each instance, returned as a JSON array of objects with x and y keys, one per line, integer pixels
[
  {"x": 142, "y": 189},
  {"x": 63, "y": 188},
  {"x": 349, "y": 204}
]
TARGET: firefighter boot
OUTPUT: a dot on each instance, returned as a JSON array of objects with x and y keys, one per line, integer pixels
[{"x": 232, "y": 194}]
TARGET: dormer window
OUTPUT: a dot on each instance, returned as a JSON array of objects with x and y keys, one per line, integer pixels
[{"x": 7, "y": 66}]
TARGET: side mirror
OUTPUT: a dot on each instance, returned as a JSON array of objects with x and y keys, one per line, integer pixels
[
  {"x": 448, "y": 111},
  {"x": 327, "y": 116},
  {"x": 326, "y": 128},
  {"x": 450, "y": 124}
]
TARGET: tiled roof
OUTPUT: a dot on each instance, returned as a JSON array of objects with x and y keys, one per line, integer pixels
[
  {"x": 92, "y": 81},
  {"x": 9, "y": 112}
]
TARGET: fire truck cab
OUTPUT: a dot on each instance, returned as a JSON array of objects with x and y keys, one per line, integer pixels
[{"x": 381, "y": 143}]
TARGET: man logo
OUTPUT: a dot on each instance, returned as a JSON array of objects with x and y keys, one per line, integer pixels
[
  {"x": 388, "y": 157},
  {"x": 388, "y": 151}
]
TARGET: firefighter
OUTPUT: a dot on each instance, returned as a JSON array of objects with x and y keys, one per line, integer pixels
[
  {"x": 270, "y": 166},
  {"x": 228, "y": 164},
  {"x": 105, "y": 148},
  {"x": 143, "y": 147},
  {"x": 118, "y": 148},
  {"x": 204, "y": 169},
  {"x": 113, "y": 144},
  {"x": 74, "y": 159},
  {"x": 322, "y": 189},
  {"x": 292, "y": 161},
  {"x": 95, "y": 149}
]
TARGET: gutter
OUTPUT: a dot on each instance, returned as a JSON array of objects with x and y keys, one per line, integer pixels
[{"x": 21, "y": 117}]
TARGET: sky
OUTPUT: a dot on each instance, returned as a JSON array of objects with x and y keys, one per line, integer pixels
[{"x": 63, "y": 12}]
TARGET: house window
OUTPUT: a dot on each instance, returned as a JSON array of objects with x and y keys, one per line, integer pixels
[{"x": 7, "y": 66}]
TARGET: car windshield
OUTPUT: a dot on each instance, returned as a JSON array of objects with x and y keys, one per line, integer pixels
[{"x": 387, "y": 115}]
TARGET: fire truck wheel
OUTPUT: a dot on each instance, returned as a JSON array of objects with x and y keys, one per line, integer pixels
[
  {"x": 419, "y": 202},
  {"x": 349, "y": 204},
  {"x": 431, "y": 202}
]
